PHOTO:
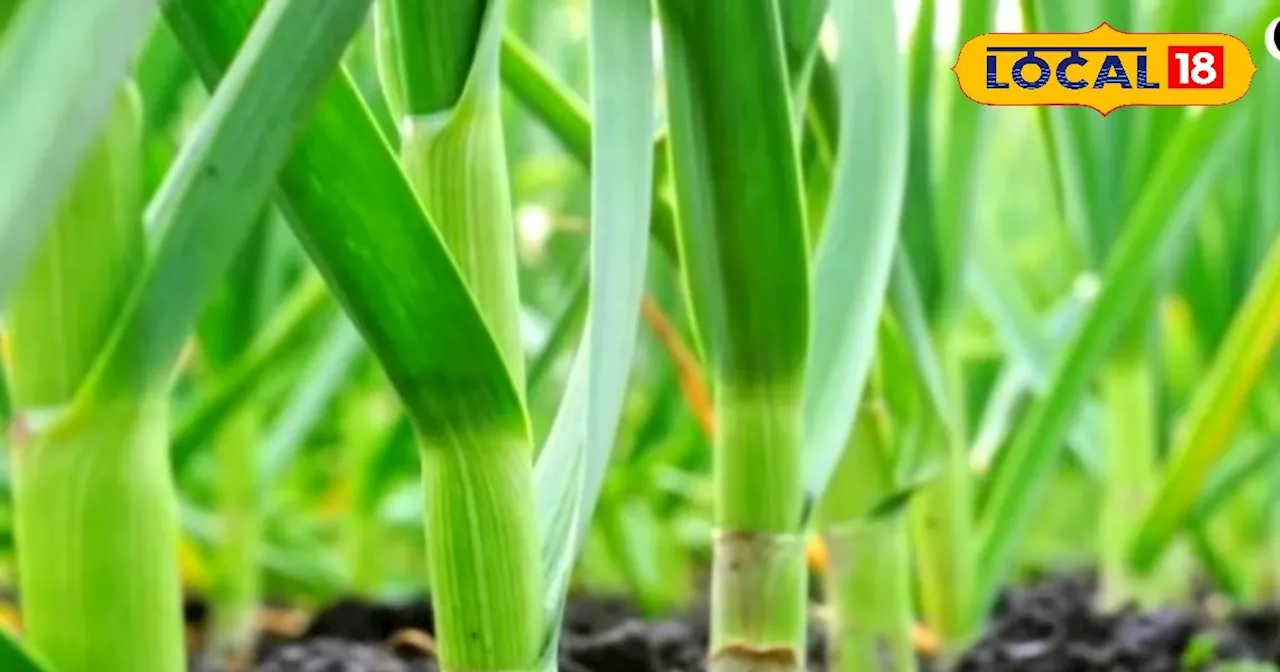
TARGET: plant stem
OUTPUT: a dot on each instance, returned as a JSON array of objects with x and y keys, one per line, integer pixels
[
  {"x": 482, "y": 553},
  {"x": 238, "y": 586},
  {"x": 97, "y": 522},
  {"x": 96, "y": 510},
  {"x": 362, "y": 531},
  {"x": 942, "y": 519},
  {"x": 759, "y": 580},
  {"x": 1131, "y": 462},
  {"x": 480, "y": 513},
  {"x": 869, "y": 576},
  {"x": 869, "y": 584}
]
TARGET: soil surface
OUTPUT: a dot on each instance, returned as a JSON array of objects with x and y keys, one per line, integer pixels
[
  {"x": 600, "y": 634},
  {"x": 1050, "y": 626}
]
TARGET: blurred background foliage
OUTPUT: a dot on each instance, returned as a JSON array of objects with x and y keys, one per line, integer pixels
[{"x": 340, "y": 505}]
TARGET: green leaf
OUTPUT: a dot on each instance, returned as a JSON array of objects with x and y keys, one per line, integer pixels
[
  {"x": 908, "y": 306},
  {"x": 163, "y": 74},
  {"x": 1227, "y": 576},
  {"x": 1189, "y": 164},
  {"x": 963, "y": 161},
  {"x": 61, "y": 63},
  {"x": 571, "y": 469},
  {"x": 453, "y": 152},
  {"x": 550, "y": 100},
  {"x": 1210, "y": 422},
  {"x": 1069, "y": 155},
  {"x": 251, "y": 291},
  {"x": 855, "y": 255},
  {"x": 565, "y": 115},
  {"x": 353, "y": 210},
  {"x": 7, "y": 10},
  {"x": 14, "y": 658},
  {"x": 385, "y": 462},
  {"x": 562, "y": 330},
  {"x": 999, "y": 414},
  {"x": 734, "y": 159},
  {"x": 744, "y": 250},
  {"x": 1031, "y": 348},
  {"x": 1252, "y": 456},
  {"x": 477, "y": 477},
  {"x": 329, "y": 368},
  {"x": 84, "y": 269},
  {"x": 801, "y": 24},
  {"x": 200, "y": 422},
  {"x": 6, "y": 400},
  {"x": 429, "y": 74},
  {"x": 919, "y": 229},
  {"x": 220, "y": 181}
]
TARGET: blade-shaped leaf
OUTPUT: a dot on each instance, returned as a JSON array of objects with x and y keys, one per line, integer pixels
[
  {"x": 919, "y": 226},
  {"x": 735, "y": 161},
  {"x": 61, "y": 62},
  {"x": 1068, "y": 159},
  {"x": 1210, "y": 422},
  {"x": 570, "y": 471},
  {"x": 1251, "y": 457},
  {"x": 964, "y": 161},
  {"x": 855, "y": 255},
  {"x": 998, "y": 415}
]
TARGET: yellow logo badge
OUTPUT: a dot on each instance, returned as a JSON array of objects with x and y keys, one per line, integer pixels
[{"x": 1104, "y": 69}]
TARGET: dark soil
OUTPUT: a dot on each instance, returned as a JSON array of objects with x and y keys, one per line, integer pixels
[
  {"x": 1050, "y": 626},
  {"x": 599, "y": 634}
]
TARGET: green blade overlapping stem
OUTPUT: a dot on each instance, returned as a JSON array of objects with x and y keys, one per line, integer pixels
[
  {"x": 61, "y": 62},
  {"x": 220, "y": 180},
  {"x": 352, "y": 207},
  {"x": 1032, "y": 347},
  {"x": 59, "y": 325},
  {"x": 477, "y": 477}
]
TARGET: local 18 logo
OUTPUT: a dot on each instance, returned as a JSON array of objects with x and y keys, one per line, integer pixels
[{"x": 1105, "y": 69}]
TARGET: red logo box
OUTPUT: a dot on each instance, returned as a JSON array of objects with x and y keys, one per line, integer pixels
[{"x": 1196, "y": 67}]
